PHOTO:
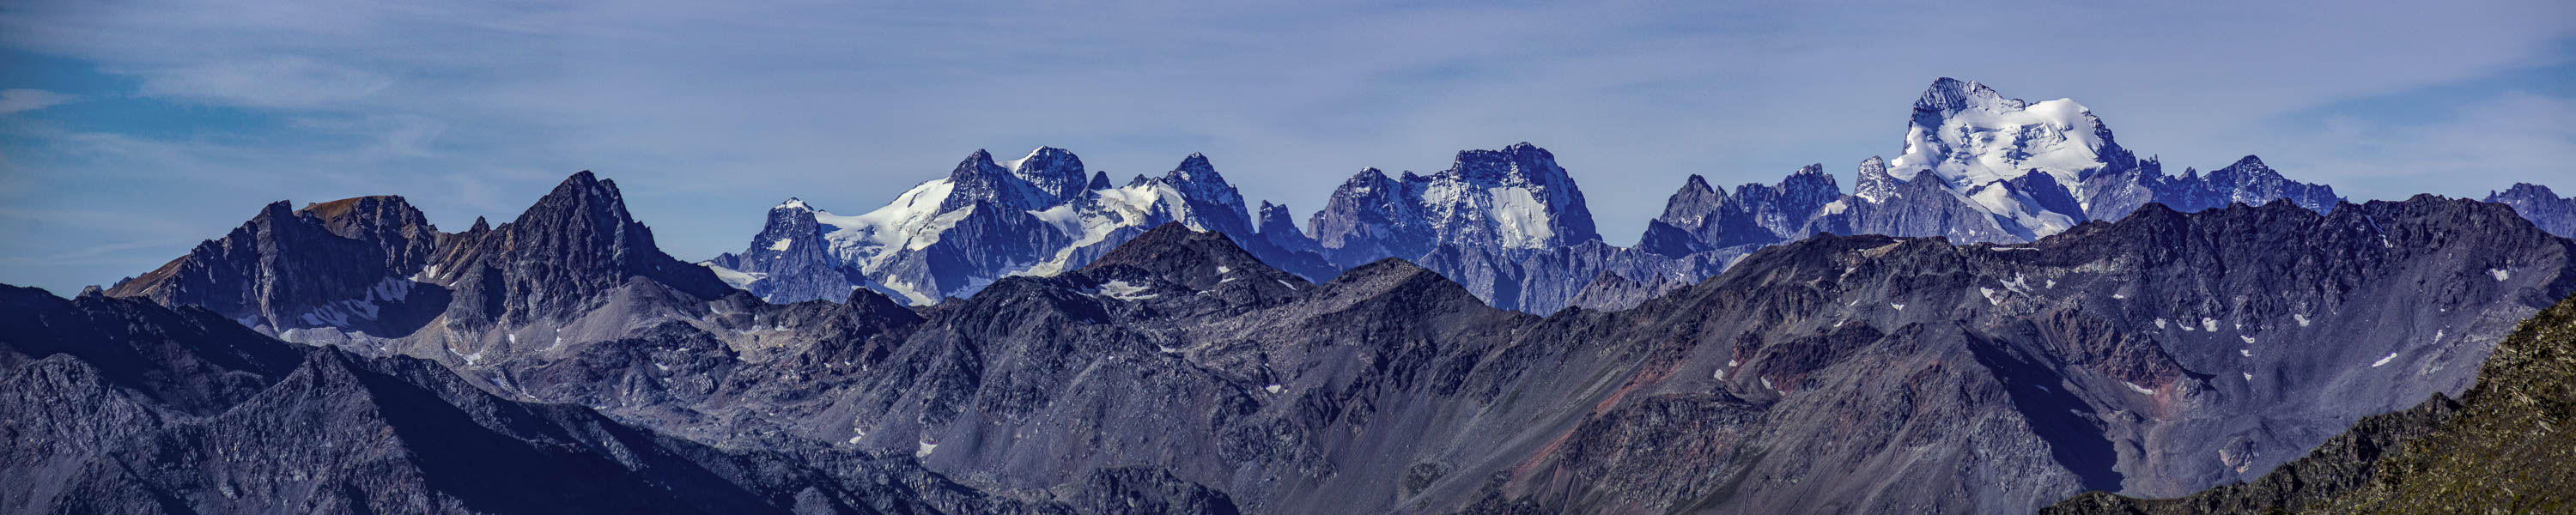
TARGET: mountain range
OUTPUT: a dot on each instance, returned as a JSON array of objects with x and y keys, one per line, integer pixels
[
  {"x": 1511, "y": 224},
  {"x": 2029, "y": 313}
]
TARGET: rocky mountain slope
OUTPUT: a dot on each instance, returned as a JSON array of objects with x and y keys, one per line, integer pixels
[
  {"x": 1925, "y": 376},
  {"x": 143, "y": 409},
  {"x": 2501, "y": 448},
  {"x": 292, "y": 268},
  {"x": 2157, "y": 355},
  {"x": 179, "y": 410}
]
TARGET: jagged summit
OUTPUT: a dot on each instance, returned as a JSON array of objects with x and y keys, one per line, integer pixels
[
  {"x": 1873, "y": 183},
  {"x": 1056, "y": 173},
  {"x": 288, "y": 268},
  {"x": 575, "y": 242},
  {"x": 1513, "y": 198},
  {"x": 978, "y": 179},
  {"x": 952, "y": 236},
  {"x": 1951, "y": 95},
  {"x": 2543, "y": 207},
  {"x": 1697, "y": 183}
]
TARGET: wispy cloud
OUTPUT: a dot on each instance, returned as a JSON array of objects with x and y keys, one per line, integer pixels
[
  {"x": 17, "y": 100},
  {"x": 281, "y": 81}
]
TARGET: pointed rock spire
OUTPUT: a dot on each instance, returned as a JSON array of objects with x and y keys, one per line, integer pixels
[
  {"x": 1693, "y": 203},
  {"x": 1873, "y": 183},
  {"x": 1213, "y": 204},
  {"x": 577, "y": 241}
]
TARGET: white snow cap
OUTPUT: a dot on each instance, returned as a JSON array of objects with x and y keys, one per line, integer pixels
[{"x": 1974, "y": 140}]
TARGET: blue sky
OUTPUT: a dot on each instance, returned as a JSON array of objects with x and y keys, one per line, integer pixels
[{"x": 129, "y": 131}]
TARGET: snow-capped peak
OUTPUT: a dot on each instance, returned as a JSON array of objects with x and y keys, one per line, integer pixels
[
  {"x": 1971, "y": 136},
  {"x": 1972, "y": 139},
  {"x": 1513, "y": 198},
  {"x": 792, "y": 203}
]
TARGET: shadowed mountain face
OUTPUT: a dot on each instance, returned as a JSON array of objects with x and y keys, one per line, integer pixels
[
  {"x": 2157, "y": 355},
  {"x": 144, "y": 409},
  {"x": 2502, "y": 448},
  {"x": 330, "y": 264}
]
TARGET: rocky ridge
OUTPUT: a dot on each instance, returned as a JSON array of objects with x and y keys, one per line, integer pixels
[
  {"x": 1995, "y": 378},
  {"x": 2499, "y": 448}
]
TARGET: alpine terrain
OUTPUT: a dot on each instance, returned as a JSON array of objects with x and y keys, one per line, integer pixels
[{"x": 2013, "y": 312}]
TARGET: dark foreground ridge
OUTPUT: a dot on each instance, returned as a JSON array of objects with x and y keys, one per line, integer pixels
[
  {"x": 123, "y": 406},
  {"x": 2505, "y": 447}
]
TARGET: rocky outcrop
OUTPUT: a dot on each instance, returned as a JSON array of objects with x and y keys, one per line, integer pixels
[
  {"x": 334, "y": 264},
  {"x": 557, "y": 260},
  {"x": 2500, "y": 448}
]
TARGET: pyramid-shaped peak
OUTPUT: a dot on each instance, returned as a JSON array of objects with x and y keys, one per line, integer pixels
[
  {"x": 583, "y": 195},
  {"x": 1697, "y": 183},
  {"x": 584, "y": 180},
  {"x": 581, "y": 187},
  {"x": 793, "y": 203},
  {"x": 978, "y": 161},
  {"x": 1195, "y": 167}
]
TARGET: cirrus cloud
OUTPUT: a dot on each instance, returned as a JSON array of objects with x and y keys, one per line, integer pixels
[
  {"x": 274, "y": 82},
  {"x": 18, "y": 100}
]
